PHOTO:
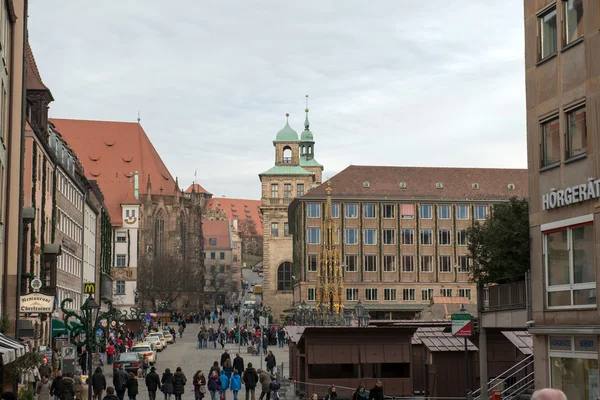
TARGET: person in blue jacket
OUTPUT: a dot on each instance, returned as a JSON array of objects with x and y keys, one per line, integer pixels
[
  {"x": 224, "y": 385},
  {"x": 235, "y": 383}
]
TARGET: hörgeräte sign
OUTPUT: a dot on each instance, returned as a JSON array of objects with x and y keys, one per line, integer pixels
[
  {"x": 571, "y": 195},
  {"x": 37, "y": 303}
]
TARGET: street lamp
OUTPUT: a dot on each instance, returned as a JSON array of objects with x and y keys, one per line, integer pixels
[{"x": 90, "y": 310}]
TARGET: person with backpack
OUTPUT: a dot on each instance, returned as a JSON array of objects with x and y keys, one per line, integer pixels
[
  {"x": 250, "y": 379},
  {"x": 224, "y": 385}
]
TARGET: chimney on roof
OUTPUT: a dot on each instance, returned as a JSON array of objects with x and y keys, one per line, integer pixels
[{"x": 136, "y": 188}]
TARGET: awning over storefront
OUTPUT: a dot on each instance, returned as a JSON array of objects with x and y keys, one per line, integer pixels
[
  {"x": 10, "y": 349},
  {"x": 521, "y": 339}
]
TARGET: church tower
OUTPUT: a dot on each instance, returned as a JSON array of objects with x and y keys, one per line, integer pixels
[
  {"x": 287, "y": 179},
  {"x": 330, "y": 285}
]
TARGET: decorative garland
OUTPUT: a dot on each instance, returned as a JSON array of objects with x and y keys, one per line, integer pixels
[
  {"x": 128, "y": 248},
  {"x": 33, "y": 205},
  {"x": 43, "y": 226},
  {"x": 54, "y": 186}
]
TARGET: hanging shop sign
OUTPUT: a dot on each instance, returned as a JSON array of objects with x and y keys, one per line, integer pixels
[
  {"x": 571, "y": 195},
  {"x": 37, "y": 303}
]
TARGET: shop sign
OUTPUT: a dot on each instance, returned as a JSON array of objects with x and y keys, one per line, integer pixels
[
  {"x": 586, "y": 343},
  {"x": 37, "y": 303},
  {"x": 561, "y": 343},
  {"x": 571, "y": 195}
]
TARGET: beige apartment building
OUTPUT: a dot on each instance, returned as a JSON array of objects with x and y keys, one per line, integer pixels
[
  {"x": 295, "y": 173},
  {"x": 402, "y": 231},
  {"x": 562, "y": 59}
]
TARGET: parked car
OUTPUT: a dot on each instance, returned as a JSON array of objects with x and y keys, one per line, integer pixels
[
  {"x": 168, "y": 337},
  {"x": 130, "y": 361},
  {"x": 155, "y": 340},
  {"x": 145, "y": 349},
  {"x": 161, "y": 337}
]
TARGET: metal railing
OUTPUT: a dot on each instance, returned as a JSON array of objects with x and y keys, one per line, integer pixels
[
  {"x": 507, "y": 296},
  {"x": 277, "y": 200},
  {"x": 521, "y": 373}
]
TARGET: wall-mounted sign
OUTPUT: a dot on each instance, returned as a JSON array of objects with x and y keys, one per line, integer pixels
[
  {"x": 36, "y": 284},
  {"x": 571, "y": 195},
  {"x": 89, "y": 288},
  {"x": 37, "y": 303}
]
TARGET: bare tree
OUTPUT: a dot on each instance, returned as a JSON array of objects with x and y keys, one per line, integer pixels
[
  {"x": 252, "y": 242},
  {"x": 162, "y": 280},
  {"x": 219, "y": 281}
]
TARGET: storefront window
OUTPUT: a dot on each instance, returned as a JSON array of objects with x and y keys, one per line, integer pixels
[
  {"x": 574, "y": 366},
  {"x": 569, "y": 259}
]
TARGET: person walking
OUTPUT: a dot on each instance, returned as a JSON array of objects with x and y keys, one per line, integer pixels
[
  {"x": 98, "y": 383},
  {"x": 331, "y": 393},
  {"x": 235, "y": 383},
  {"x": 215, "y": 367},
  {"x": 360, "y": 393},
  {"x": 110, "y": 394},
  {"x": 110, "y": 353},
  {"x": 179, "y": 381},
  {"x": 224, "y": 386},
  {"x": 214, "y": 384},
  {"x": 199, "y": 382},
  {"x": 224, "y": 357},
  {"x": 271, "y": 362},
  {"x": 56, "y": 385},
  {"x": 238, "y": 363},
  {"x": 250, "y": 379},
  {"x": 132, "y": 386},
  {"x": 78, "y": 382},
  {"x": 265, "y": 380},
  {"x": 152, "y": 383},
  {"x": 167, "y": 383},
  {"x": 67, "y": 388},
  {"x": 43, "y": 388},
  {"x": 376, "y": 393},
  {"x": 228, "y": 368},
  {"x": 120, "y": 382}
]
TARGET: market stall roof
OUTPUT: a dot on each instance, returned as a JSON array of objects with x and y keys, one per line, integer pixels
[
  {"x": 521, "y": 339},
  {"x": 10, "y": 349}
]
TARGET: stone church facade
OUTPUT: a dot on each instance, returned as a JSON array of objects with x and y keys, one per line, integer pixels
[{"x": 295, "y": 172}]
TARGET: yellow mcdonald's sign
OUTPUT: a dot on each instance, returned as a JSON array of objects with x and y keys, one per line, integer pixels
[{"x": 89, "y": 288}]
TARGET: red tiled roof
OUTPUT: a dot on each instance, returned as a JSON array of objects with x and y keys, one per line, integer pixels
[
  {"x": 111, "y": 153},
  {"x": 197, "y": 189},
  {"x": 241, "y": 209},
  {"x": 457, "y": 183},
  {"x": 216, "y": 229}
]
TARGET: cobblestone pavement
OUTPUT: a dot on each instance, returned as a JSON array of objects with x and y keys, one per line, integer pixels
[{"x": 185, "y": 354}]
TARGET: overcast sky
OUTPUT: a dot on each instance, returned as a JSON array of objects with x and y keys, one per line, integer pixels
[{"x": 437, "y": 83}]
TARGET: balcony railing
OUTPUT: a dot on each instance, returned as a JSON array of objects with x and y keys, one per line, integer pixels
[
  {"x": 507, "y": 296},
  {"x": 273, "y": 201}
]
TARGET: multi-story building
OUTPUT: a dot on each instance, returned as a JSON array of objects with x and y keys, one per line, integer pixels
[
  {"x": 402, "y": 230},
  {"x": 295, "y": 172},
  {"x": 562, "y": 76},
  {"x": 151, "y": 217}
]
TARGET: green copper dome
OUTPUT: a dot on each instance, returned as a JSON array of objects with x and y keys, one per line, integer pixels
[
  {"x": 287, "y": 134},
  {"x": 306, "y": 136}
]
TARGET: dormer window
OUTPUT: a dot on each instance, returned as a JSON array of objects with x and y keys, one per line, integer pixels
[
  {"x": 475, "y": 186},
  {"x": 402, "y": 185},
  {"x": 511, "y": 186},
  {"x": 439, "y": 185},
  {"x": 366, "y": 184}
]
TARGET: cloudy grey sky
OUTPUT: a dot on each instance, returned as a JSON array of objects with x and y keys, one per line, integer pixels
[{"x": 437, "y": 83}]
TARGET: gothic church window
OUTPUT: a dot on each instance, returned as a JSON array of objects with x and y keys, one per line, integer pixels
[{"x": 159, "y": 234}]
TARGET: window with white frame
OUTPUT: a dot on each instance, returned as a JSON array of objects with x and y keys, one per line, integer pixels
[
  {"x": 462, "y": 212},
  {"x": 274, "y": 229},
  {"x": 313, "y": 210},
  {"x": 461, "y": 237},
  {"x": 464, "y": 293},
  {"x": 121, "y": 237},
  {"x": 446, "y": 292},
  {"x": 389, "y": 236},
  {"x": 574, "y": 365},
  {"x": 389, "y": 211},
  {"x": 351, "y": 294},
  {"x": 570, "y": 267},
  {"x": 426, "y": 237},
  {"x": 426, "y": 294},
  {"x": 300, "y": 189},
  {"x": 548, "y": 33},
  {"x": 335, "y": 210},
  {"x": 370, "y": 263},
  {"x": 121, "y": 260},
  {"x": 389, "y": 263},
  {"x": 408, "y": 236},
  {"x": 274, "y": 190},
  {"x": 389, "y": 294},
  {"x": 351, "y": 263},
  {"x": 425, "y": 211},
  {"x": 426, "y": 263},
  {"x": 286, "y": 229},
  {"x": 444, "y": 211},
  {"x": 369, "y": 211},
  {"x": 408, "y": 294},
  {"x": 311, "y": 294},
  {"x": 351, "y": 210},
  {"x": 480, "y": 212},
  {"x": 371, "y": 294},
  {"x": 311, "y": 263},
  {"x": 445, "y": 263},
  {"x": 463, "y": 263},
  {"x": 351, "y": 236},
  {"x": 313, "y": 235},
  {"x": 445, "y": 239},
  {"x": 573, "y": 20},
  {"x": 120, "y": 288},
  {"x": 407, "y": 211},
  {"x": 408, "y": 263},
  {"x": 370, "y": 236}
]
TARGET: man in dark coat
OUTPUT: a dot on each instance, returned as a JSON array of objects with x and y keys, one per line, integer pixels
[
  {"x": 238, "y": 363},
  {"x": 152, "y": 383},
  {"x": 376, "y": 393},
  {"x": 225, "y": 356},
  {"x": 120, "y": 382},
  {"x": 56, "y": 386},
  {"x": 250, "y": 379},
  {"x": 98, "y": 383},
  {"x": 271, "y": 362}
]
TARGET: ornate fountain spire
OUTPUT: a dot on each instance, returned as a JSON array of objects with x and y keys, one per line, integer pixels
[{"x": 330, "y": 285}]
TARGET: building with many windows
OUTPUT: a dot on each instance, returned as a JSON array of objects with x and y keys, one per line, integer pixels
[
  {"x": 563, "y": 106},
  {"x": 402, "y": 232},
  {"x": 295, "y": 173}
]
